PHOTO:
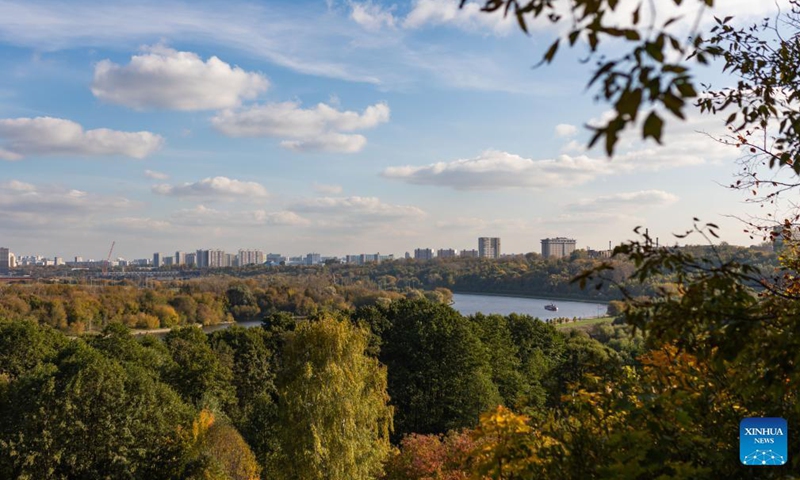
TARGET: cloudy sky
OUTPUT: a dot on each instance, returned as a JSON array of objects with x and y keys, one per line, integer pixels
[{"x": 339, "y": 127}]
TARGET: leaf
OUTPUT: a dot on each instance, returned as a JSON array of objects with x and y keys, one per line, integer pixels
[
  {"x": 551, "y": 52},
  {"x": 652, "y": 128}
]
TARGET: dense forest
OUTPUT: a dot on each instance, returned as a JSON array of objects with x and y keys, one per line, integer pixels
[{"x": 330, "y": 396}]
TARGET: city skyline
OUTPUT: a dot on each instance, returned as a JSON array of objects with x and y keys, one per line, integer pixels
[
  {"x": 487, "y": 247},
  {"x": 356, "y": 126}
]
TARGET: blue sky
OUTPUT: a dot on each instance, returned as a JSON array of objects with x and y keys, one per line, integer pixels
[{"x": 336, "y": 127}]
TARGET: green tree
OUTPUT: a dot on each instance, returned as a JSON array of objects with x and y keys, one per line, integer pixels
[
  {"x": 440, "y": 377},
  {"x": 334, "y": 417},
  {"x": 85, "y": 416},
  {"x": 25, "y": 345},
  {"x": 199, "y": 375}
]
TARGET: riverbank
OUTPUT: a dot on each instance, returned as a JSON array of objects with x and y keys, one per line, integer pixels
[
  {"x": 533, "y": 296},
  {"x": 164, "y": 331},
  {"x": 584, "y": 323}
]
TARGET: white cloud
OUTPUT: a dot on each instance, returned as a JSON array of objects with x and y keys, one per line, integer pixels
[
  {"x": 327, "y": 189},
  {"x": 202, "y": 216},
  {"x": 365, "y": 208},
  {"x": 9, "y": 156},
  {"x": 566, "y": 130},
  {"x": 495, "y": 170},
  {"x": 57, "y": 136},
  {"x": 470, "y": 17},
  {"x": 371, "y": 16},
  {"x": 26, "y": 205},
  {"x": 328, "y": 142},
  {"x": 155, "y": 175},
  {"x": 139, "y": 224},
  {"x": 683, "y": 147},
  {"x": 314, "y": 129},
  {"x": 216, "y": 187},
  {"x": 643, "y": 199},
  {"x": 165, "y": 78}
]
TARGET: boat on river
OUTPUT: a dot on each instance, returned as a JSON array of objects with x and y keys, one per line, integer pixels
[{"x": 551, "y": 307}]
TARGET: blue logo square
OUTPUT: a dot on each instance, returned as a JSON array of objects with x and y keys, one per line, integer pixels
[{"x": 763, "y": 442}]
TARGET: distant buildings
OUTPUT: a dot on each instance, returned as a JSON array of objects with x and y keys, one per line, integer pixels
[
  {"x": 180, "y": 258},
  {"x": 446, "y": 253},
  {"x": 468, "y": 254},
  {"x": 557, "y": 247},
  {"x": 5, "y": 261},
  {"x": 250, "y": 257},
  {"x": 313, "y": 259},
  {"x": 156, "y": 260},
  {"x": 423, "y": 254},
  {"x": 489, "y": 247}
]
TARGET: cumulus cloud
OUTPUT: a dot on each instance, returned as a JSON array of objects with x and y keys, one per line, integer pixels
[
  {"x": 447, "y": 12},
  {"x": 25, "y": 205},
  {"x": 216, "y": 187},
  {"x": 371, "y": 208},
  {"x": 202, "y": 216},
  {"x": 627, "y": 200},
  {"x": 327, "y": 189},
  {"x": 566, "y": 130},
  {"x": 494, "y": 169},
  {"x": 155, "y": 175},
  {"x": 168, "y": 79},
  {"x": 314, "y": 129},
  {"x": 371, "y": 16},
  {"x": 56, "y": 136}
]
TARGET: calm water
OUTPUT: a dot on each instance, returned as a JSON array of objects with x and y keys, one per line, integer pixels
[{"x": 468, "y": 304}]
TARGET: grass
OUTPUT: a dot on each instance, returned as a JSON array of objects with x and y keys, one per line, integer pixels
[{"x": 586, "y": 322}]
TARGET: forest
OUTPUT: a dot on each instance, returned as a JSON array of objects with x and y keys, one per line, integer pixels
[{"x": 341, "y": 396}]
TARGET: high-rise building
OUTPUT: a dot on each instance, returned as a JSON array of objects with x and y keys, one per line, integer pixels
[
  {"x": 313, "y": 259},
  {"x": 468, "y": 254},
  {"x": 489, "y": 247},
  {"x": 180, "y": 258},
  {"x": 202, "y": 259},
  {"x": 218, "y": 259},
  {"x": 191, "y": 259},
  {"x": 5, "y": 261},
  {"x": 156, "y": 260},
  {"x": 557, "y": 247},
  {"x": 276, "y": 258},
  {"x": 446, "y": 253},
  {"x": 250, "y": 257},
  {"x": 423, "y": 254}
]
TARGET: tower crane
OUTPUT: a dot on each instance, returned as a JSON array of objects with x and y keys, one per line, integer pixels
[{"x": 108, "y": 259}]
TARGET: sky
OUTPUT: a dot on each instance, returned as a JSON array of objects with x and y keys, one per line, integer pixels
[{"x": 338, "y": 127}]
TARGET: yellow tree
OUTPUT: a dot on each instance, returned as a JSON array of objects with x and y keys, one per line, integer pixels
[{"x": 334, "y": 417}]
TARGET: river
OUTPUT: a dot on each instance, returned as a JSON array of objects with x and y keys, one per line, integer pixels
[{"x": 467, "y": 304}]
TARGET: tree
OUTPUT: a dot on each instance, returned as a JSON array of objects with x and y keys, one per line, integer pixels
[
  {"x": 219, "y": 452},
  {"x": 198, "y": 376},
  {"x": 439, "y": 373},
  {"x": 85, "y": 416},
  {"x": 441, "y": 457},
  {"x": 25, "y": 345},
  {"x": 246, "y": 353},
  {"x": 334, "y": 417}
]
